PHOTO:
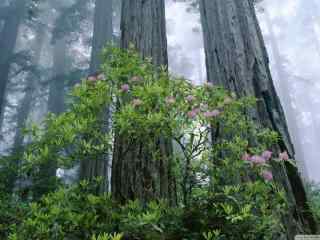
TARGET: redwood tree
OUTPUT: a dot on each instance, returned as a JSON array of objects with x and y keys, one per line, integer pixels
[
  {"x": 135, "y": 172},
  {"x": 236, "y": 59}
]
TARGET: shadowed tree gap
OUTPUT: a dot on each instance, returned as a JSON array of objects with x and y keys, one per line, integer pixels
[
  {"x": 135, "y": 174},
  {"x": 236, "y": 59}
]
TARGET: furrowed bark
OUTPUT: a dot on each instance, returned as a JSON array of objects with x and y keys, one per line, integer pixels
[
  {"x": 236, "y": 59},
  {"x": 135, "y": 173}
]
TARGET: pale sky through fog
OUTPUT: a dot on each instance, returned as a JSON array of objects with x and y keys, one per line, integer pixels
[
  {"x": 185, "y": 42},
  {"x": 302, "y": 62}
]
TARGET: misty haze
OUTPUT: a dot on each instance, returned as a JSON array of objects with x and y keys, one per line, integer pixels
[{"x": 159, "y": 119}]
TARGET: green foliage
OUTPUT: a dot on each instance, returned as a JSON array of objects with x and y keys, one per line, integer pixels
[
  {"x": 313, "y": 190},
  {"x": 12, "y": 213},
  {"x": 68, "y": 213},
  {"x": 78, "y": 213},
  {"x": 107, "y": 236},
  {"x": 223, "y": 172}
]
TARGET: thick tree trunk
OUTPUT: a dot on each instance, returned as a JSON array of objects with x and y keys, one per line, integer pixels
[
  {"x": 135, "y": 174},
  {"x": 8, "y": 38},
  {"x": 236, "y": 58},
  {"x": 102, "y": 34},
  {"x": 143, "y": 25}
]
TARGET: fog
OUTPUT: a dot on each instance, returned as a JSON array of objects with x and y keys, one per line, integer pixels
[{"x": 292, "y": 33}]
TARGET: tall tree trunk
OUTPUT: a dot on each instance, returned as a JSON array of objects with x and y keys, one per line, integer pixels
[
  {"x": 102, "y": 34},
  {"x": 143, "y": 25},
  {"x": 56, "y": 85},
  {"x": 8, "y": 38},
  {"x": 135, "y": 174},
  {"x": 26, "y": 102},
  {"x": 236, "y": 58}
]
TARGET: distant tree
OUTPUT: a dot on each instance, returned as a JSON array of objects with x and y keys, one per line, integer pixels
[
  {"x": 25, "y": 106},
  {"x": 102, "y": 32},
  {"x": 8, "y": 39}
]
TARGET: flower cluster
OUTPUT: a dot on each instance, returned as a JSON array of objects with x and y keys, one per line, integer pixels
[
  {"x": 261, "y": 160},
  {"x": 125, "y": 88},
  {"x": 204, "y": 109},
  {"x": 98, "y": 77}
]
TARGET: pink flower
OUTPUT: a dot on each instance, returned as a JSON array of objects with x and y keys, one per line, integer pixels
[
  {"x": 258, "y": 160},
  {"x": 196, "y": 110},
  {"x": 209, "y": 114},
  {"x": 284, "y": 156},
  {"x": 267, "y": 175},
  {"x": 136, "y": 79},
  {"x": 170, "y": 100},
  {"x": 246, "y": 157},
  {"x": 125, "y": 88},
  {"x": 101, "y": 76},
  {"x": 192, "y": 114},
  {"x": 267, "y": 155},
  {"x": 190, "y": 98},
  {"x": 136, "y": 102},
  {"x": 92, "y": 79}
]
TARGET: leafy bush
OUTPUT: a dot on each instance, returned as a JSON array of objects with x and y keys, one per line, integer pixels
[
  {"x": 106, "y": 236},
  {"x": 223, "y": 167},
  {"x": 77, "y": 213},
  {"x": 68, "y": 213}
]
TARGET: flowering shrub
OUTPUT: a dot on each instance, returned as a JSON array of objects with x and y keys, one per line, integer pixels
[{"x": 222, "y": 162}]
